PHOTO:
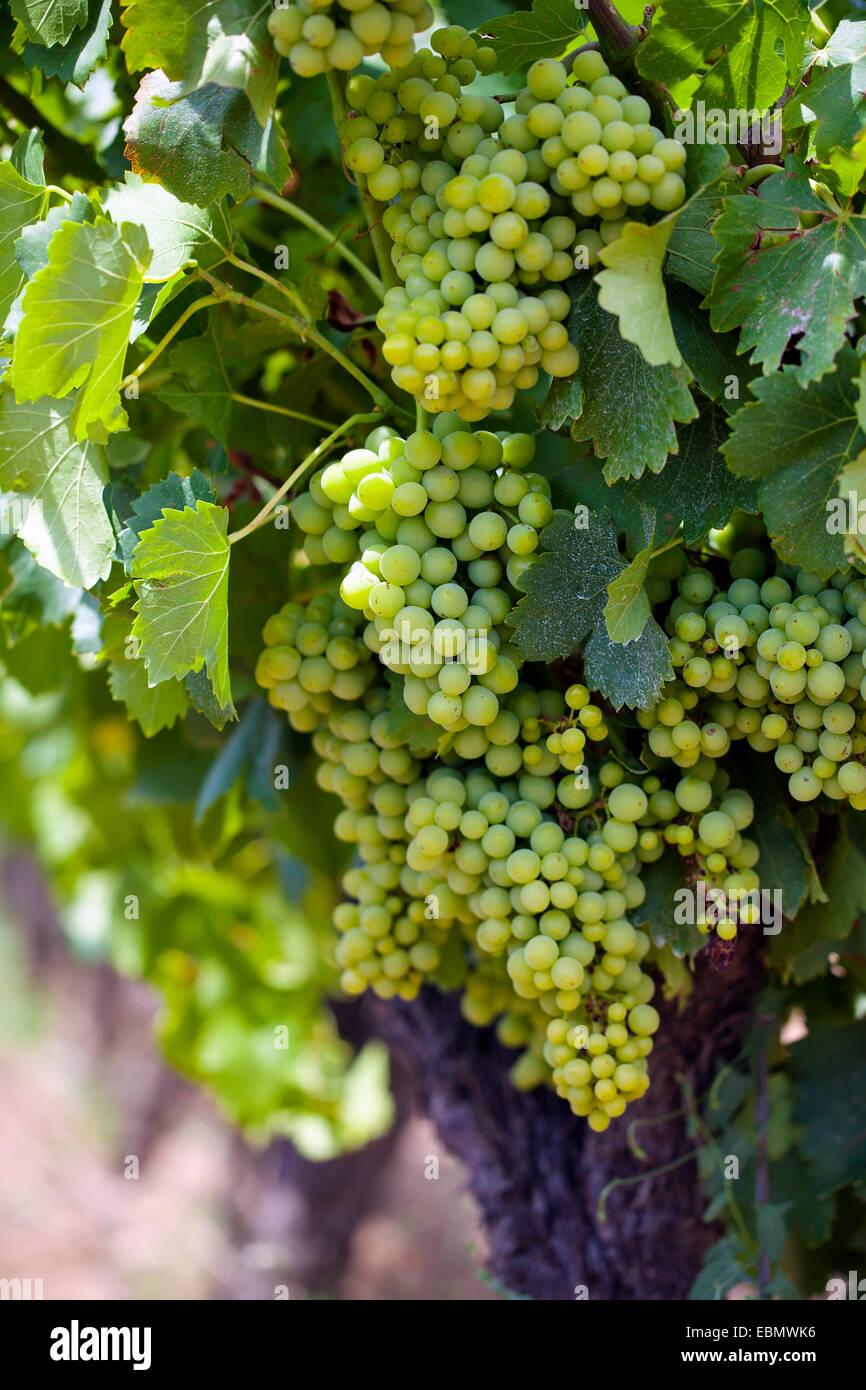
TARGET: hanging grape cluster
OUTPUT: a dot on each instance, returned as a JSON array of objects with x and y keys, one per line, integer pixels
[
  {"x": 506, "y": 854},
  {"x": 318, "y": 35}
]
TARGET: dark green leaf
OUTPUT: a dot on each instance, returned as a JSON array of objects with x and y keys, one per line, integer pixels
[
  {"x": 805, "y": 286},
  {"x": 612, "y": 372},
  {"x": 795, "y": 443}
]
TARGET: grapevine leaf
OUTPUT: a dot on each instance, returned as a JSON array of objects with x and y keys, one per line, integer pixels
[
  {"x": 796, "y": 442},
  {"x": 543, "y": 32},
  {"x": 763, "y": 42},
  {"x": 201, "y": 385},
  {"x": 843, "y": 874},
  {"x": 695, "y": 489},
  {"x": 691, "y": 248},
  {"x": 566, "y": 589},
  {"x": 21, "y": 202},
  {"x": 180, "y": 568},
  {"x": 50, "y": 21},
  {"x": 224, "y": 43},
  {"x": 177, "y": 233},
  {"x": 78, "y": 311},
  {"x": 631, "y": 675},
  {"x": 201, "y": 696},
  {"x": 65, "y": 523},
  {"x": 76, "y": 59},
  {"x": 172, "y": 493},
  {"x": 610, "y": 372},
  {"x": 249, "y": 752},
  {"x": 628, "y": 608},
  {"x": 830, "y": 1102},
  {"x": 28, "y": 156},
  {"x": 31, "y": 249},
  {"x": 712, "y": 358},
  {"x": 806, "y": 286},
  {"x": 631, "y": 287},
  {"x": 154, "y": 707},
  {"x": 836, "y": 95},
  {"x": 203, "y": 145}
]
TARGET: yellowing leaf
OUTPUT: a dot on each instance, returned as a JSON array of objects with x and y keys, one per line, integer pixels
[
  {"x": 632, "y": 288},
  {"x": 78, "y": 312}
]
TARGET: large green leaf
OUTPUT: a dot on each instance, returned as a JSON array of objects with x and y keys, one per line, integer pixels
[
  {"x": 805, "y": 287},
  {"x": 60, "y": 482},
  {"x": 565, "y": 590},
  {"x": 78, "y": 311},
  {"x": 50, "y": 21},
  {"x": 834, "y": 103},
  {"x": 197, "y": 42},
  {"x": 565, "y": 593},
  {"x": 76, "y": 59},
  {"x": 181, "y": 571},
  {"x": 763, "y": 42},
  {"x": 695, "y": 489},
  {"x": 611, "y": 372},
  {"x": 21, "y": 203},
  {"x": 177, "y": 233},
  {"x": 202, "y": 145},
  {"x": 795, "y": 443}
]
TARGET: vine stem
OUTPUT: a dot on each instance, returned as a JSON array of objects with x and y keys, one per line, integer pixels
[
  {"x": 280, "y": 410},
  {"x": 379, "y": 239},
  {"x": 261, "y": 517},
  {"x": 163, "y": 343},
  {"x": 265, "y": 195},
  {"x": 304, "y": 329},
  {"x": 616, "y": 37}
]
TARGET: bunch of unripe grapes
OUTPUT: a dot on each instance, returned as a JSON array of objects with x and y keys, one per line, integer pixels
[
  {"x": 495, "y": 212},
  {"x": 433, "y": 533},
  {"x": 452, "y": 851},
  {"x": 318, "y": 35},
  {"x": 778, "y": 661},
  {"x": 503, "y": 851}
]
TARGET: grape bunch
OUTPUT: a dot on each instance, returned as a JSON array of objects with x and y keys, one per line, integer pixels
[
  {"x": 400, "y": 119},
  {"x": 458, "y": 853},
  {"x": 507, "y": 857},
  {"x": 495, "y": 212},
  {"x": 778, "y": 661},
  {"x": 318, "y": 35},
  {"x": 433, "y": 533}
]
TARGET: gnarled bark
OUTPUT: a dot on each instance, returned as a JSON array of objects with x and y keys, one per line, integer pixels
[{"x": 537, "y": 1172}]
